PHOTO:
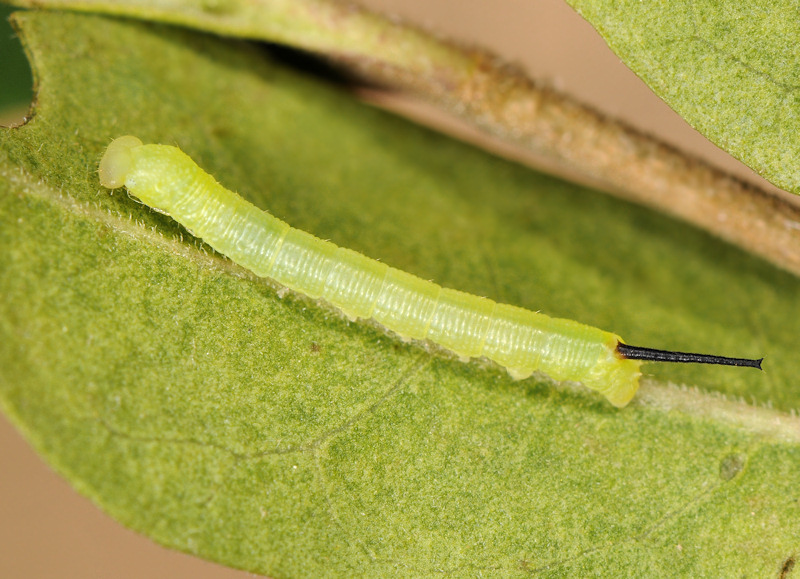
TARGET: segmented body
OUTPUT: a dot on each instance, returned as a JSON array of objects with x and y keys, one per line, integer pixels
[{"x": 520, "y": 340}]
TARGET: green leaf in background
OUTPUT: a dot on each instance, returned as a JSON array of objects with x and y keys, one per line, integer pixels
[
  {"x": 196, "y": 405},
  {"x": 731, "y": 69},
  {"x": 15, "y": 72}
]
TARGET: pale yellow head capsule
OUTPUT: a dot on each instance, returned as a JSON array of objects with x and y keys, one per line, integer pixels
[{"x": 117, "y": 161}]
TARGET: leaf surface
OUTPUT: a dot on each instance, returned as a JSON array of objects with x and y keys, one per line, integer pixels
[
  {"x": 196, "y": 405},
  {"x": 730, "y": 69}
]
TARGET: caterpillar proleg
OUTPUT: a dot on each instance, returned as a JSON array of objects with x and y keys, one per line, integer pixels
[{"x": 522, "y": 341}]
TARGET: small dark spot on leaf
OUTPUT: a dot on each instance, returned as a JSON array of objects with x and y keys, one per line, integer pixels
[
  {"x": 315, "y": 347},
  {"x": 730, "y": 466},
  {"x": 221, "y": 131},
  {"x": 102, "y": 232},
  {"x": 787, "y": 567}
]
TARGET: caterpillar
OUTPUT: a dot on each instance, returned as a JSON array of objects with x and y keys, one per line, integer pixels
[{"x": 166, "y": 179}]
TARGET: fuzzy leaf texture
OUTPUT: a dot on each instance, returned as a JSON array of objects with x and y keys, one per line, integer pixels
[
  {"x": 196, "y": 405},
  {"x": 731, "y": 69}
]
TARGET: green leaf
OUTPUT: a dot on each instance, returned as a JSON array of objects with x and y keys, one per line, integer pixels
[
  {"x": 729, "y": 68},
  {"x": 196, "y": 405}
]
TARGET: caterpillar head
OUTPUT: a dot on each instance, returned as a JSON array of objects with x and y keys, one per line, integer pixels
[{"x": 116, "y": 163}]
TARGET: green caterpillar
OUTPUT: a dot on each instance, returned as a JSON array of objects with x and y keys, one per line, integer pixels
[{"x": 520, "y": 340}]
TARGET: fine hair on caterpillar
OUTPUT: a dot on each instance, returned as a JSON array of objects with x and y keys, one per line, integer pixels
[{"x": 522, "y": 341}]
